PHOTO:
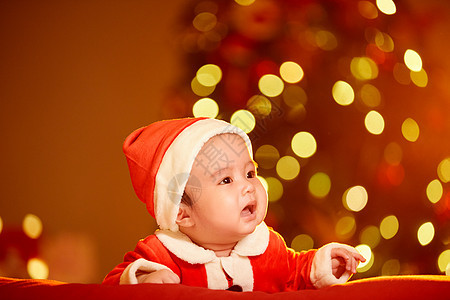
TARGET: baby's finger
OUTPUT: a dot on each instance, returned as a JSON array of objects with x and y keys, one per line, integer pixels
[
  {"x": 359, "y": 257},
  {"x": 348, "y": 261},
  {"x": 350, "y": 264},
  {"x": 339, "y": 252},
  {"x": 354, "y": 265},
  {"x": 344, "y": 255}
]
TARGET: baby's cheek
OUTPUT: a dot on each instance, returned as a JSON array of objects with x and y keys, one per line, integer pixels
[
  {"x": 262, "y": 196},
  {"x": 263, "y": 204}
]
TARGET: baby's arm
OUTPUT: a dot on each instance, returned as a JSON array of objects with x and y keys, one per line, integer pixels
[
  {"x": 143, "y": 265},
  {"x": 146, "y": 271}
]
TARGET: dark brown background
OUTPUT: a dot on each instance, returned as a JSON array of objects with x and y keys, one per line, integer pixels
[{"x": 76, "y": 77}]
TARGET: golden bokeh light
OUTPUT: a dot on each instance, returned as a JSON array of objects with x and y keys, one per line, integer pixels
[
  {"x": 259, "y": 105},
  {"x": 370, "y": 95},
  {"x": 209, "y": 75},
  {"x": 413, "y": 60},
  {"x": 343, "y": 93},
  {"x": 325, "y": 40},
  {"x": 204, "y": 21},
  {"x": 263, "y": 182},
  {"x": 205, "y": 107},
  {"x": 319, "y": 185},
  {"x": 425, "y": 233},
  {"x": 37, "y": 269},
  {"x": 201, "y": 90},
  {"x": 271, "y": 85},
  {"x": 443, "y": 170},
  {"x": 288, "y": 167},
  {"x": 434, "y": 191},
  {"x": 390, "y": 267},
  {"x": 393, "y": 154},
  {"x": 444, "y": 260},
  {"x": 371, "y": 236},
  {"x": 384, "y": 42},
  {"x": 363, "y": 68},
  {"x": 389, "y": 227},
  {"x": 304, "y": 144},
  {"x": 293, "y": 95},
  {"x": 367, "y": 10},
  {"x": 1, "y": 225},
  {"x": 267, "y": 156},
  {"x": 244, "y": 120},
  {"x": 410, "y": 130},
  {"x": 302, "y": 242},
  {"x": 370, "y": 34},
  {"x": 345, "y": 227},
  {"x": 374, "y": 122},
  {"x": 244, "y": 2},
  {"x": 32, "y": 226},
  {"x": 291, "y": 72},
  {"x": 208, "y": 6},
  {"x": 401, "y": 74},
  {"x": 296, "y": 114},
  {"x": 275, "y": 189},
  {"x": 355, "y": 198},
  {"x": 419, "y": 78},
  {"x": 365, "y": 251},
  {"x": 387, "y": 7}
]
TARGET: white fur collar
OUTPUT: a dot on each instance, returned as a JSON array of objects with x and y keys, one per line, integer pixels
[
  {"x": 181, "y": 245},
  {"x": 255, "y": 243}
]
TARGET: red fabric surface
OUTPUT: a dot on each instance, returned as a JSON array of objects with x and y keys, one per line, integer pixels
[{"x": 392, "y": 287}]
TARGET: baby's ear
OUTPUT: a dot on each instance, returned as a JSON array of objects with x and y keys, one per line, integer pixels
[{"x": 184, "y": 216}]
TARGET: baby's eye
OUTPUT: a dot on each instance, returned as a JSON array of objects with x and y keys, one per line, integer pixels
[
  {"x": 226, "y": 180},
  {"x": 251, "y": 174}
]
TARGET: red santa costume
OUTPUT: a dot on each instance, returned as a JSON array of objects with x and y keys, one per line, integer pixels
[{"x": 160, "y": 157}]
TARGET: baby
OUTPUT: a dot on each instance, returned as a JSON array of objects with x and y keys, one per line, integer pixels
[{"x": 198, "y": 179}]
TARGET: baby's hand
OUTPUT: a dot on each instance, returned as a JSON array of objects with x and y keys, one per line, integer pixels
[
  {"x": 160, "y": 276},
  {"x": 344, "y": 260}
]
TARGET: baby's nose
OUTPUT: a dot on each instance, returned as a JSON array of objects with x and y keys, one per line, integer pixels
[{"x": 249, "y": 187}]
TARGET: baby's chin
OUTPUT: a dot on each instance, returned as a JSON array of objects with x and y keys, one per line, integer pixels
[{"x": 250, "y": 228}]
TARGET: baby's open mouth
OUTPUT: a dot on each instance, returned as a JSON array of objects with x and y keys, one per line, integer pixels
[{"x": 248, "y": 210}]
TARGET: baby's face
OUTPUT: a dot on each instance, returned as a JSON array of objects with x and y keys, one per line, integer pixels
[{"x": 229, "y": 201}]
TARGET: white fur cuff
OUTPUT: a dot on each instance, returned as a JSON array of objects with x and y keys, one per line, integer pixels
[
  {"x": 129, "y": 274},
  {"x": 321, "y": 270}
]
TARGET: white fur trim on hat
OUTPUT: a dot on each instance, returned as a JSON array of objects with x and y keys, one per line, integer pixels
[
  {"x": 321, "y": 270},
  {"x": 176, "y": 165}
]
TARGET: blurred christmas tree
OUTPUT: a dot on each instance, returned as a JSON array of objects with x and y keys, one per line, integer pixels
[{"x": 350, "y": 127}]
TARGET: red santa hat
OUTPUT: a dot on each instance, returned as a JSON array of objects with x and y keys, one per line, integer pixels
[{"x": 160, "y": 157}]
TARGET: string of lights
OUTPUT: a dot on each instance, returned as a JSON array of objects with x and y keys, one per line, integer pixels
[{"x": 331, "y": 93}]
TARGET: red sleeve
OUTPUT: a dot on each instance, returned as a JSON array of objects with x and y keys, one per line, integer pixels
[
  {"x": 300, "y": 264},
  {"x": 150, "y": 249},
  {"x": 280, "y": 268}
]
